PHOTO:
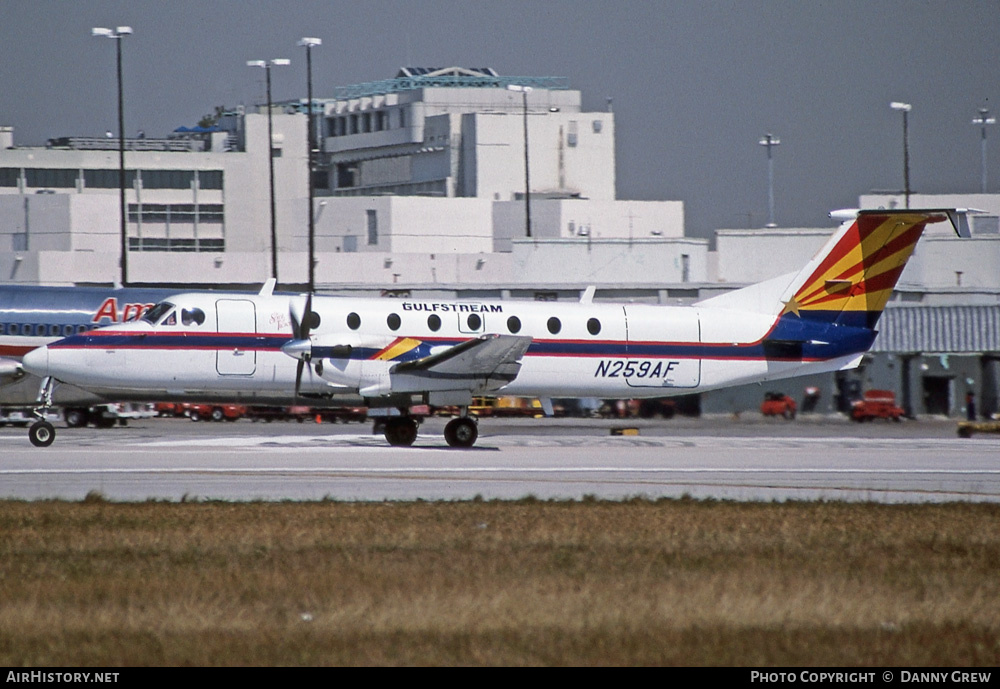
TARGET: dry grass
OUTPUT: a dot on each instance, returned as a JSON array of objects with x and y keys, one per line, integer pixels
[{"x": 498, "y": 583}]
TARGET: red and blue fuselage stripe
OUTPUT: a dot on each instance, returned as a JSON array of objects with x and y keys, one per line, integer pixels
[{"x": 791, "y": 339}]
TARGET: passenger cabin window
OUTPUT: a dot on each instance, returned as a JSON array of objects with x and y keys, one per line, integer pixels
[
  {"x": 393, "y": 321},
  {"x": 475, "y": 322},
  {"x": 434, "y": 322},
  {"x": 514, "y": 324},
  {"x": 593, "y": 326},
  {"x": 193, "y": 316},
  {"x": 554, "y": 325},
  {"x": 353, "y": 321}
]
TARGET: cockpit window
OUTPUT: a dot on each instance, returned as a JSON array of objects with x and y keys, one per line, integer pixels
[
  {"x": 195, "y": 315},
  {"x": 158, "y": 312}
]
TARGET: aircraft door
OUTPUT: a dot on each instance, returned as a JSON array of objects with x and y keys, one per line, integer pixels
[
  {"x": 237, "y": 328},
  {"x": 662, "y": 347}
]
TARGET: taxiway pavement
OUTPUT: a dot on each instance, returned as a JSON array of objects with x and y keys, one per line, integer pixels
[{"x": 721, "y": 458}]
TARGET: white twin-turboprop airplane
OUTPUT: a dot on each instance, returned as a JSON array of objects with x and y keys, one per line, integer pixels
[{"x": 399, "y": 353}]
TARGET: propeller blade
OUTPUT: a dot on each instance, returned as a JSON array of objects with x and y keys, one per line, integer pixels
[
  {"x": 303, "y": 322},
  {"x": 308, "y": 317},
  {"x": 296, "y": 317},
  {"x": 298, "y": 379}
]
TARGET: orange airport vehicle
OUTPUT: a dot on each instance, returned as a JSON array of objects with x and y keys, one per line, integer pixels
[{"x": 877, "y": 404}]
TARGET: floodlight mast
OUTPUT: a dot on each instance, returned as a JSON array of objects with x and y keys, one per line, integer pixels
[
  {"x": 769, "y": 141},
  {"x": 266, "y": 66},
  {"x": 524, "y": 91},
  {"x": 309, "y": 44},
  {"x": 982, "y": 120},
  {"x": 905, "y": 109},
  {"x": 117, "y": 34}
]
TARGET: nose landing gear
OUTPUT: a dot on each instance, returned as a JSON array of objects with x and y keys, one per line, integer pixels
[{"x": 42, "y": 433}]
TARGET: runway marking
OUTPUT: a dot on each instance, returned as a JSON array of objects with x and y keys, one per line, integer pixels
[
  {"x": 491, "y": 470},
  {"x": 370, "y": 442}
]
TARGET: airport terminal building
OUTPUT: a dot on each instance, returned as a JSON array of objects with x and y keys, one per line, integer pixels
[{"x": 419, "y": 186}]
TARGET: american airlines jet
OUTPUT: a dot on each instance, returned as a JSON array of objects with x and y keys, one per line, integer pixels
[
  {"x": 32, "y": 316},
  {"x": 399, "y": 353}
]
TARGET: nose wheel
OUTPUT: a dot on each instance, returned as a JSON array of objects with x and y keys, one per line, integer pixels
[
  {"x": 461, "y": 432},
  {"x": 41, "y": 434}
]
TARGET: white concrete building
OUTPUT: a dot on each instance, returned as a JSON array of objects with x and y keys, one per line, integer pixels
[
  {"x": 420, "y": 171},
  {"x": 201, "y": 193},
  {"x": 941, "y": 264}
]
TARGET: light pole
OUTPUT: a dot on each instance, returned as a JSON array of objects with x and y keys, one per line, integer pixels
[
  {"x": 905, "y": 109},
  {"x": 984, "y": 120},
  {"x": 769, "y": 142},
  {"x": 117, "y": 34},
  {"x": 266, "y": 65},
  {"x": 308, "y": 44},
  {"x": 524, "y": 91}
]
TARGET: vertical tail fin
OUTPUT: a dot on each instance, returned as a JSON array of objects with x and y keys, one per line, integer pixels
[{"x": 850, "y": 280}]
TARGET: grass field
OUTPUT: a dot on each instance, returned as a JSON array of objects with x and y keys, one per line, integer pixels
[{"x": 678, "y": 582}]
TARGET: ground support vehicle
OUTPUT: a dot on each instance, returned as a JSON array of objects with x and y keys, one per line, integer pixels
[
  {"x": 967, "y": 428},
  {"x": 107, "y": 415},
  {"x": 215, "y": 412},
  {"x": 15, "y": 416},
  {"x": 877, "y": 404},
  {"x": 778, "y": 404}
]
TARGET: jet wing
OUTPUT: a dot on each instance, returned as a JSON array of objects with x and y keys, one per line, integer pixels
[{"x": 10, "y": 371}]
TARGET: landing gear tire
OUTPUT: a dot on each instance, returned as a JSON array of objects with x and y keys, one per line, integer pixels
[
  {"x": 401, "y": 432},
  {"x": 461, "y": 432},
  {"x": 41, "y": 434},
  {"x": 77, "y": 418}
]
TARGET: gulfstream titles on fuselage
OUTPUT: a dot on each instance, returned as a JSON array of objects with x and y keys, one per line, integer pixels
[
  {"x": 809, "y": 676},
  {"x": 467, "y": 308}
]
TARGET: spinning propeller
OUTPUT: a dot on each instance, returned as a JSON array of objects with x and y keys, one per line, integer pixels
[{"x": 300, "y": 347}]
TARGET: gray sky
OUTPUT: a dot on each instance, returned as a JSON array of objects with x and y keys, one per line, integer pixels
[{"x": 695, "y": 83}]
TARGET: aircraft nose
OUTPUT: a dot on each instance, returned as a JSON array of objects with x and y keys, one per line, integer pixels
[{"x": 36, "y": 361}]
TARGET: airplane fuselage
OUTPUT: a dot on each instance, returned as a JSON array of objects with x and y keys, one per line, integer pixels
[{"x": 576, "y": 349}]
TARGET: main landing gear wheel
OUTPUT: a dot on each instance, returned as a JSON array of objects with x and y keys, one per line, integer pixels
[
  {"x": 461, "y": 432},
  {"x": 41, "y": 434},
  {"x": 401, "y": 431}
]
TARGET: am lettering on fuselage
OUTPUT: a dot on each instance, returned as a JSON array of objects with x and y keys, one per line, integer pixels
[
  {"x": 396, "y": 354},
  {"x": 109, "y": 312}
]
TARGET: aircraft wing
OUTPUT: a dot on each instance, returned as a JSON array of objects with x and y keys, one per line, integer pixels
[
  {"x": 484, "y": 356},
  {"x": 475, "y": 366}
]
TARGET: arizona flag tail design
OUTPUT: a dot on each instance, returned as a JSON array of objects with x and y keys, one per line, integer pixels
[{"x": 851, "y": 279}]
